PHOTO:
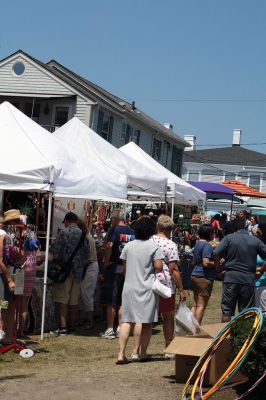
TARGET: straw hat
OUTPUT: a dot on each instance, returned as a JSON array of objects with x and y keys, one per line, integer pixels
[{"x": 10, "y": 215}]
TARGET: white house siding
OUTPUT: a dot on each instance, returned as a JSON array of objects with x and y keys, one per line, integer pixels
[
  {"x": 212, "y": 178},
  {"x": 241, "y": 173},
  {"x": 145, "y": 141},
  {"x": 83, "y": 110},
  {"x": 34, "y": 80},
  {"x": 263, "y": 185}
]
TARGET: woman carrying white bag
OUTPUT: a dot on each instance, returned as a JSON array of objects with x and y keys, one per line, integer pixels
[
  {"x": 141, "y": 259},
  {"x": 170, "y": 276}
]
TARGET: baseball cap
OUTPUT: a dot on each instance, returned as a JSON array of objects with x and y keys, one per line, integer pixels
[{"x": 70, "y": 217}]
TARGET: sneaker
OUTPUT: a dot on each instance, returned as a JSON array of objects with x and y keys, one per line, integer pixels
[
  {"x": 2, "y": 335},
  {"x": 108, "y": 334},
  {"x": 59, "y": 332},
  {"x": 169, "y": 356},
  {"x": 117, "y": 331},
  {"x": 63, "y": 332},
  {"x": 55, "y": 332},
  {"x": 135, "y": 356}
]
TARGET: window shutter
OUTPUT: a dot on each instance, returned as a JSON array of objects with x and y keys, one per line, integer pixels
[
  {"x": 110, "y": 134},
  {"x": 100, "y": 122},
  {"x": 123, "y": 133}
]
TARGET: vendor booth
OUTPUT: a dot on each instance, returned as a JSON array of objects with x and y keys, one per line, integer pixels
[
  {"x": 142, "y": 181},
  {"x": 178, "y": 190},
  {"x": 32, "y": 160}
]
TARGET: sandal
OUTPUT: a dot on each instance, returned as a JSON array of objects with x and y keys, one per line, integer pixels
[{"x": 123, "y": 362}]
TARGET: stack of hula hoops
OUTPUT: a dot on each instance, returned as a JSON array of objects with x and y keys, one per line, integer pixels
[{"x": 197, "y": 375}]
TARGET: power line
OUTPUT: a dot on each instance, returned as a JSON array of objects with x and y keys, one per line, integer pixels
[
  {"x": 230, "y": 144},
  {"x": 197, "y": 100}
]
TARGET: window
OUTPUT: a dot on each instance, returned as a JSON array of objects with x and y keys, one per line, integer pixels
[
  {"x": 129, "y": 134},
  {"x": 228, "y": 176},
  {"x": 32, "y": 111},
  {"x": 105, "y": 126},
  {"x": 254, "y": 182},
  {"x": 193, "y": 176},
  {"x": 176, "y": 161},
  {"x": 61, "y": 115},
  {"x": 167, "y": 147},
  {"x": 18, "y": 68},
  {"x": 157, "y": 149},
  {"x": 136, "y": 136}
]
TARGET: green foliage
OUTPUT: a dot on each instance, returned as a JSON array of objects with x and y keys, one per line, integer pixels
[
  {"x": 26, "y": 209},
  {"x": 255, "y": 364}
]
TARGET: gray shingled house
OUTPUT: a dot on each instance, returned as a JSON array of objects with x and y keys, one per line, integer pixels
[{"x": 223, "y": 164}]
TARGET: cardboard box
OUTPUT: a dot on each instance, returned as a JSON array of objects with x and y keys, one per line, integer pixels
[{"x": 188, "y": 349}]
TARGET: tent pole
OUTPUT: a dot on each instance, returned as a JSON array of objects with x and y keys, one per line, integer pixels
[
  {"x": 46, "y": 260},
  {"x": 231, "y": 210},
  {"x": 172, "y": 207}
]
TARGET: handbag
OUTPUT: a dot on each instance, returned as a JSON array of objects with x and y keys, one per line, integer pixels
[
  {"x": 58, "y": 270},
  {"x": 160, "y": 289}
]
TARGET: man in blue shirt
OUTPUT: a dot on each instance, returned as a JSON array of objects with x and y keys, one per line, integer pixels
[
  {"x": 239, "y": 250},
  {"x": 114, "y": 273}
]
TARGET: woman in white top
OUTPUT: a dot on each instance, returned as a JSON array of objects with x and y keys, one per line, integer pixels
[{"x": 170, "y": 275}]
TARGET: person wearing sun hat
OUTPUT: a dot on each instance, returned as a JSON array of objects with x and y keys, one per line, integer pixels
[{"x": 7, "y": 285}]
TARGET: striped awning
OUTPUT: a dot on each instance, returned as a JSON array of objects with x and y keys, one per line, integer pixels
[{"x": 243, "y": 190}]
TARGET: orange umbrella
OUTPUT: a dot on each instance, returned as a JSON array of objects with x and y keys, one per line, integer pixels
[{"x": 243, "y": 190}]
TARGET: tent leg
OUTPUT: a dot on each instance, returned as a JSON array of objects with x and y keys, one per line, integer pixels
[
  {"x": 172, "y": 207},
  {"x": 46, "y": 260},
  {"x": 231, "y": 210}
]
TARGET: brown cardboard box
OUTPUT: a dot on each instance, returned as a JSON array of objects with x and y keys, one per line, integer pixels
[{"x": 188, "y": 349}]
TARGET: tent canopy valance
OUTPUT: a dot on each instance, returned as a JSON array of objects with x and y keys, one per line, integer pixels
[
  {"x": 243, "y": 190},
  {"x": 179, "y": 190}
]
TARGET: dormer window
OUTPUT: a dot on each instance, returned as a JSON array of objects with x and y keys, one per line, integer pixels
[{"x": 19, "y": 68}]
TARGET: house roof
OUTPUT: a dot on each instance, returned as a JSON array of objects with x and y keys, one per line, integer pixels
[
  {"x": 235, "y": 155},
  {"x": 91, "y": 90},
  {"x": 118, "y": 103}
]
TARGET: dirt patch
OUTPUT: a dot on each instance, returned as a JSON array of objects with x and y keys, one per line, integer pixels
[{"x": 82, "y": 366}]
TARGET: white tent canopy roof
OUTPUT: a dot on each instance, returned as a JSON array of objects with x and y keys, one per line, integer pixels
[
  {"x": 180, "y": 190},
  {"x": 31, "y": 159},
  {"x": 93, "y": 146}
]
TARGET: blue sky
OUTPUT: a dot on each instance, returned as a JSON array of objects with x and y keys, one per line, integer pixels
[{"x": 199, "y": 64}]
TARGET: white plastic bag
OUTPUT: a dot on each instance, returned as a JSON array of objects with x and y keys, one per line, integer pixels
[
  {"x": 186, "y": 323},
  {"x": 160, "y": 289}
]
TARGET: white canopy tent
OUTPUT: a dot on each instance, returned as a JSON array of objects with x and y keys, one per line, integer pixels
[
  {"x": 179, "y": 190},
  {"x": 141, "y": 179},
  {"x": 31, "y": 159}
]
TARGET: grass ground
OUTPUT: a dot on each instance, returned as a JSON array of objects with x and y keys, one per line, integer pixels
[{"x": 83, "y": 366}]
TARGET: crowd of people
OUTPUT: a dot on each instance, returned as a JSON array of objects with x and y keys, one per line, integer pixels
[{"x": 119, "y": 274}]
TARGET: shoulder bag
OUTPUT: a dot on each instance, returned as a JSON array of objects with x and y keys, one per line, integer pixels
[{"x": 58, "y": 271}]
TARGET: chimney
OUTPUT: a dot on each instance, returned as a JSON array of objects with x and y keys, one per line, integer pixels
[
  {"x": 191, "y": 139},
  {"x": 169, "y": 126},
  {"x": 236, "y": 137}
]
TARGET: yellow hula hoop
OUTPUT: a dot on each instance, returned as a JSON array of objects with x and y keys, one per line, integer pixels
[{"x": 236, "y": 363}]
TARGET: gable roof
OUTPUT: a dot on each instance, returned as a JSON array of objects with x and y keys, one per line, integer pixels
[
  {"x": 93, "y": 91},
  {"x": 114, "y": 101},
  {"x": 234, "y": 155}
]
